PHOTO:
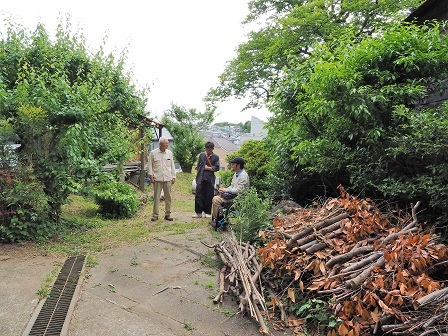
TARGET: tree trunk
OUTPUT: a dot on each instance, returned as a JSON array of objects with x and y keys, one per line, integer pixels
[{"x": 186, "y": 167}]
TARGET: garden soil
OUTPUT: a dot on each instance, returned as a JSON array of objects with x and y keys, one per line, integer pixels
[{"x": 164, "y": 286}]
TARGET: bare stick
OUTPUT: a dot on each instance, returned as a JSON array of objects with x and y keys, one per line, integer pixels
[
  {"x": 414, "y": 217},
  {"x": 356, "y": 282},
  {"x": 218, "y": 298},
  {"x": 347, "y": 256},
  {"x": 363, "y": 262},
  {"x": 433, "y": 296},
  {"x": 264, "y": 328},
  {"x": 279, "y": 303},
  {"x": 395, "y": 234},
  {"x": 315, "y": 248},
  {"x": 316, "y": 226},
  {"x": 323, "y": 231},
  {"x": 432, "y": 320},
  {"x": 307, "y": 245}
]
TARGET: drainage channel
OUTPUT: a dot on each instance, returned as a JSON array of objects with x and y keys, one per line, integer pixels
[{"x": 52, "y": 316}]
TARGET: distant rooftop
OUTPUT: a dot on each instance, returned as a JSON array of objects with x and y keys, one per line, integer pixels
[{"x": 225, "y": 144}]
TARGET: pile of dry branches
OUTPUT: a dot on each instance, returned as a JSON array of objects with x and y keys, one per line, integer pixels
[
  {"x": 240, "y": 275},
  {"x": 383, "y": 274}
]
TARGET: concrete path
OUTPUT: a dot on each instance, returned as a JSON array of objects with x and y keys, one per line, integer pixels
[
  {"x": 161, "y": 287},
  {"x": 164, "y": 287},
  {"x": 22, "y": 273}
]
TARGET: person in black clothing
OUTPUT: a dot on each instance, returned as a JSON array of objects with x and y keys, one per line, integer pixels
[{"x": 208, "y": 164}]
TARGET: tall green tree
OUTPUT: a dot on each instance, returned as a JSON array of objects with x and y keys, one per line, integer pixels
[
  {"x": 245, "y": 128},
  {"x": 184, "y": 125},
  {"x": 68, "y": 108},
  {"x": 344, "y": 103},
  {"x": 360, "y": 120},
  {"x": 291, "y": 29}
]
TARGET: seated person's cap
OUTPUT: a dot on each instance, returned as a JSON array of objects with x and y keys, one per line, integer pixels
[{"x": 237, "y": 160}]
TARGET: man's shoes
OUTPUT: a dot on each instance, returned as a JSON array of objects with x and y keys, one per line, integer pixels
[
  {"x": 197, "y": 215},
  {"x": 168, "y": 218},
  {"x": 154, "y": 218},
  {"x": 207, "y": 216}
]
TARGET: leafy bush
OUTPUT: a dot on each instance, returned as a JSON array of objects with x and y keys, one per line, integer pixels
[
  {"x": 358, "y": 114},
  {"x": 257, "y": 155},
  {"x": 184, "y": 125},
  {"x": 316, "y": 313},
  {"x": 71, "y": 110},
  {"x": 115, "y": 199},
  {"x": 226, "y": 178},
  {"x": 251, "y": 214},
  {"x": 24, "y": 207}
]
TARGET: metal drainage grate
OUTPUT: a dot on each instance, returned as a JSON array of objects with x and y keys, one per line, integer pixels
[{"x": 53, "y": 313}]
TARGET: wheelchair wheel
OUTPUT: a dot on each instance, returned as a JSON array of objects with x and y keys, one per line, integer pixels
[{"x": 226, "y": 221}]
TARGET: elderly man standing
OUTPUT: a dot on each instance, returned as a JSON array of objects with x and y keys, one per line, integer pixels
[
  {"x": 162, "y": 173},
  {"x": 240, "y": 182}
]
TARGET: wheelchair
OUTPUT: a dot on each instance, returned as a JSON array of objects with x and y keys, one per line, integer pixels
[{"x": 225, "y": 212}]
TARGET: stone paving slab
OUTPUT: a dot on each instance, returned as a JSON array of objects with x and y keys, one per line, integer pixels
[
  {"x": 21, "y": 277},
  {"x": 161, "y": 287}
]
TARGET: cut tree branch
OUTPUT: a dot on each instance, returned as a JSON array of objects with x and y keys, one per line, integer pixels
[{"x": 316, "y": 227}]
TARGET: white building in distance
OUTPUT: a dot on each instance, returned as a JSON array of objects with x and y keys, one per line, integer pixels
[{"x": 257, "y": 130}]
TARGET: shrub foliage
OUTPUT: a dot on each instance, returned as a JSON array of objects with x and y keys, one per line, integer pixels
[
  {"x": 251, "y": 215},
  {"x": 69, "y": 109},
  {"x": 115, "y": 199},
  {"x": 354, "y": 114},
  {"x": 24, "y": 209}
]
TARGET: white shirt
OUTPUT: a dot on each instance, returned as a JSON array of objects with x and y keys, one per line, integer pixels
[{"x": 161, "y": 165}]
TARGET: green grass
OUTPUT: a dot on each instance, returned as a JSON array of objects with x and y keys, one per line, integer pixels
[
  {"x": 134, "y": 261},
  {"x": 83, "y": 231},
  {"x": 183, "y": 206},
  {"x": 46, "y": 285},
  {"x": 211, "y": 260},
  {"x": 183, "y": 182},
  {"x": 188, "y": 326},
  {"x": 91, "y": 261},
  {"x": 210, "y": 285}
]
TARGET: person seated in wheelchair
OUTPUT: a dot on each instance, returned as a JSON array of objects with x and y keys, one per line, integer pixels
[{"x": 240, "y": 182}]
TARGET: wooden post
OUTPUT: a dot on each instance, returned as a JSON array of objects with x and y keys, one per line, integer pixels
[{"x": 142, "y": 159}]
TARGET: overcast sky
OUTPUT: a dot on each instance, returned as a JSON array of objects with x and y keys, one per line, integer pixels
[{"x": 177, "y": 47}]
